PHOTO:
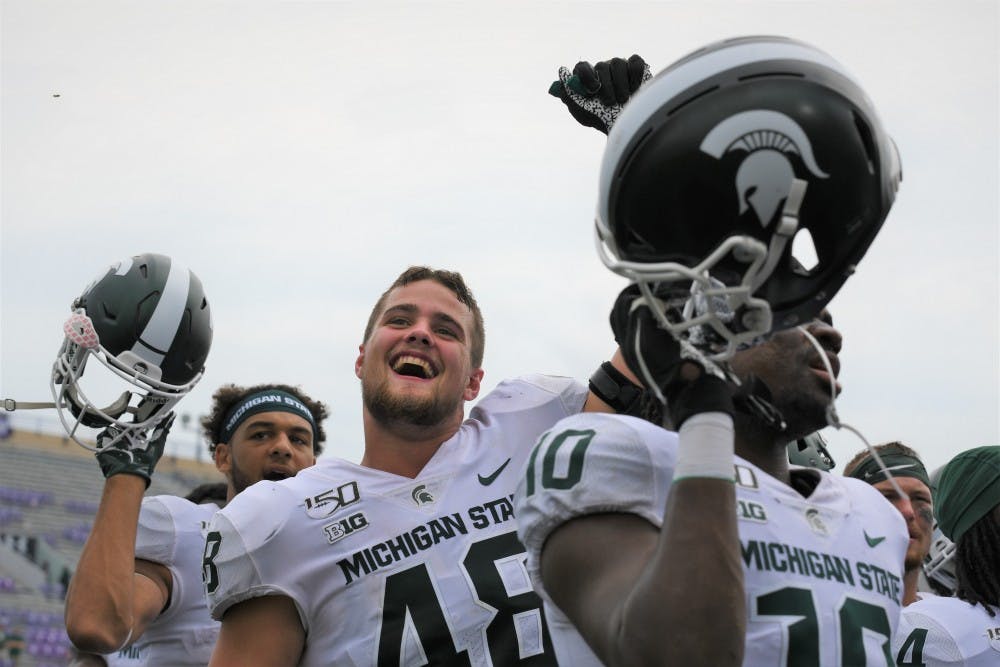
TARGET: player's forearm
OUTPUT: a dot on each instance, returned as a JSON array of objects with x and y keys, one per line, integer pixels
[
  {"x": 99, "y": 602},
  {"x": 87, "y": 660},
  {"x": 693, "y": 585}
]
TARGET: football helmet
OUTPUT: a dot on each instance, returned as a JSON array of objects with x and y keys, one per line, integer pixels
[
  {"x": 811, "y": 452},
  {"x": 939, "y": 563},
  {"x": 722, "y": 163},
  {"x": 146, "y": 319}
]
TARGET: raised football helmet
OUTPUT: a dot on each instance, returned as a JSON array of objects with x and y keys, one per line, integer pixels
[
  {"x": 724, "y": 161},
  {"x": 146, "y": 319},
  {"x": 811, "y": 452}
]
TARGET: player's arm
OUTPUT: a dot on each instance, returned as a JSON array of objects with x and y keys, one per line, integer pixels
[
  {"x": 263, "y": 631},
  {"x": 595, "y": 95},
  {"x": 623, "y": 583},
  {"x": 87, "y": 660},
  {"x": 112, "y": 597},
  {"x": 619, "y": 579}
]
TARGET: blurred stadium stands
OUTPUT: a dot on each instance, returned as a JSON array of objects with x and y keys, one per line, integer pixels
[{"x": 49, "y": 490}]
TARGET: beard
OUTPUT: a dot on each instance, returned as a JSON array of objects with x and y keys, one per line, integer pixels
[
  {"x": 804, "y": 412},
  {"x": 240, "y": 479},
  {"x": 387, "y": 408},
  {"x": 914, "y": 558}
]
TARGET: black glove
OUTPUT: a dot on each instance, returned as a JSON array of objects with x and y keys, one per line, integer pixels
[
  {"x": 595, "y": 94},
  {"x": 127, "y": 456},
  {"x": 655, "y": 357}
]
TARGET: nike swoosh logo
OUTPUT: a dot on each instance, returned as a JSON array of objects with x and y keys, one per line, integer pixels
[
  {"x": 901, "y": 466},
  {"x": 489, "y": 479},
  {"x": 873, "y": 541}
]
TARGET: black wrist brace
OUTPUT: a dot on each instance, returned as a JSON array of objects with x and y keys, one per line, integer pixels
[{"x": 612, "y": 387}]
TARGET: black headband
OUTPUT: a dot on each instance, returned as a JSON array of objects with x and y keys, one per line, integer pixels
[
  {"x": 269, "y": 400},
  {"x": 896, "y": 462}
]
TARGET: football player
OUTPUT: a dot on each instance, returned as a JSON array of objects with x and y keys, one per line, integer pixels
[
  {"x": 139, "y": 578},
  {"x": 964, "y": 629},
  {"x": 712, "y": 171},
  {"x": 915, "y": 504},
  {"x": 410, "y": 557}
]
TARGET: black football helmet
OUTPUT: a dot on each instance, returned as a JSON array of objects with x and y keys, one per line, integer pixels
[
  {"x": 725, "y": 157},
  {"x": 147, "y": 320}
]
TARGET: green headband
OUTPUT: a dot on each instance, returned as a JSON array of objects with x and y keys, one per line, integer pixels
[
  {"x": 269, "y": 400},
  {"x": 968, "y": 489},
  {"x": 896, "y": 462}
]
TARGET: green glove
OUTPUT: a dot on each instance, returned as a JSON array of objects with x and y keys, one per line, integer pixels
[{"x": 132, "y": 457}]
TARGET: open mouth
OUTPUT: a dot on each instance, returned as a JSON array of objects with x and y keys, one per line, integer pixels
[{"x": 412, "y": 366}]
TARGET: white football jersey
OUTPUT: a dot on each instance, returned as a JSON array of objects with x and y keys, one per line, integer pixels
[
  {"x": 130, "y": 656},
  {"x": 947, "y": 631},
  {"x": 172, "y": 532},
  {"x": 387, "y": 570},
  {"x": 823, "y": 574}
]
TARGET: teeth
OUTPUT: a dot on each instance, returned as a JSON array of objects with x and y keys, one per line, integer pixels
[{"x": 407, "y": 360}]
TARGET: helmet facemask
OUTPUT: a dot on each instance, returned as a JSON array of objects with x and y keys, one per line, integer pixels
[
  {"x": 146, "y": 402},
  {"x": 939, "y": 563}
]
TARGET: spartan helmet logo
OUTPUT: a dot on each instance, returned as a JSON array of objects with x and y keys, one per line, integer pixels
[
  {"x": 765, "y": 176},
  {"x": 421, "y": 495},
  {"x": 816, "y": 523}
]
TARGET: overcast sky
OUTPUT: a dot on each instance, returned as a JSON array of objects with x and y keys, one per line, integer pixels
[{"x": 299, "y": 155}]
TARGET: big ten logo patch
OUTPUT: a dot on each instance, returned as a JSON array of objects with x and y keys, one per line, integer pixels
[
  {"x": 325, "y": 504},
  {"x": 748, "y": 510},
  {"x": 346, "y": 526}
]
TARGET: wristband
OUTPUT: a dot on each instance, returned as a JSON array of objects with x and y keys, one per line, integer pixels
[
  {"x": 706, "y": 447},
  {"x": 611, "y": 386}
]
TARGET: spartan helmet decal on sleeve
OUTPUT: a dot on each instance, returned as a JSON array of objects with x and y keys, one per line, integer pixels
[
  {"x": 145, "y": 319},
  {"x": 721, "y": 161}
]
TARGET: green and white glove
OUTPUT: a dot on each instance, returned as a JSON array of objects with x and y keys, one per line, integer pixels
[
  {"x": 596, "y": 94},
  {"x": 132, "y": 456}
]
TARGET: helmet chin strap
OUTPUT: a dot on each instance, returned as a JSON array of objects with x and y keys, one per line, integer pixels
[
  {"x": 833, "y": 419},
  {"x": 788, "y": 224},
  {"x": 10, "y": 405},
  {"x": 88, "y": 417},
  {"x": 754, "y": 398}
]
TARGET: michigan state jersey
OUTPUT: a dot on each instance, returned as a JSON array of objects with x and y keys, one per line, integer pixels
[
  {"x": 387, "y": 570},
  {"x": 823, "y": 573},
  {"x": 129, "y": 656},
  {"x": 947, "y": 631},
  {"x": 172, "y": 533}
]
